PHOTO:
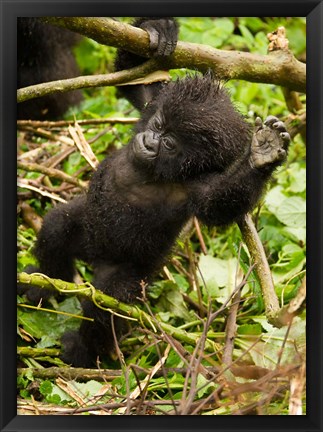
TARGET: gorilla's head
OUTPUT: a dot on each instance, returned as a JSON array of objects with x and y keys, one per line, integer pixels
[{"x": 188, "y": 130}]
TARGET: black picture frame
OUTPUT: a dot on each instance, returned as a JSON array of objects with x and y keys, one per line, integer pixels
[{"x": 10, "y": 10}]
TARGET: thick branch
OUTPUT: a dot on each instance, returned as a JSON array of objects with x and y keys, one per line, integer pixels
[
  {"x": 70, "y": 373},
  {"x": 106, "y": 302},
  {"x": 276, "y": 316},
  {"x": 257, "y": 253},
  {"x": 278, "y": 67}
]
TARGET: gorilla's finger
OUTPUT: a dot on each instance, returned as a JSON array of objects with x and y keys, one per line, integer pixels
[
  {"x": 153, "y": 38},
  {"x": 161, "y": 46},
  {"x": 285, "y": 136},
  {"x": 270, "y": 120},
  {"x": 279, "y": 125},
  {"x": 258, "y": 124}
]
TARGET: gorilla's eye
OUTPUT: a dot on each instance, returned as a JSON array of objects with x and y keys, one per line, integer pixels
[
  {"x": 168, "y": 143},
  {"x": 158, "y": 125}
]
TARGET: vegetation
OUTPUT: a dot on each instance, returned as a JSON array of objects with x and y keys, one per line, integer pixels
[{"x": 201, "y": 342}]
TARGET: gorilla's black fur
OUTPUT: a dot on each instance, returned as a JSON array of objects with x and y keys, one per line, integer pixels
[
  {"x": 45, "y": 54},
  {"x": 192, "y": 154},
  {"x": 163, "y": 34}
]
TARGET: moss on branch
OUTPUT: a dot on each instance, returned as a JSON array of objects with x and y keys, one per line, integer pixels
[{"x": 112, "y": 305}]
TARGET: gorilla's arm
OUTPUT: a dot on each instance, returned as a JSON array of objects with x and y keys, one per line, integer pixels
[
  {"x": 163, "y": 33},
  {"x": 220, "y": 199}
]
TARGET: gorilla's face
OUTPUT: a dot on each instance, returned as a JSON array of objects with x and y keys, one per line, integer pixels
[
  {"x": 156, "y": 142},
  {"x": 191, "y": 129},
  {"x": 158, "y": 149}
]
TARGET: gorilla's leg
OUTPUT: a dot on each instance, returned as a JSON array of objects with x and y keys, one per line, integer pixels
[
  {"x": 81, "y": 348},
  {"x": 59, "y": 242}
]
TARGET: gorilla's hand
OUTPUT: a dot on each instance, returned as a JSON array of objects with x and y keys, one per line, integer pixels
[
  {"x": 269, "y": 143},
  {"x": 163, "y": 35}
]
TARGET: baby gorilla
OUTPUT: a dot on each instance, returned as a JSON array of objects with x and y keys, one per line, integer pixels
[{"x": 192, "y": 154}]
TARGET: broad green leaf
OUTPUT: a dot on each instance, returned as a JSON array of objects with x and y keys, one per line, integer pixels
[
  {"x": 297, "y": 234},
  {"x": 273, "y": 345},
  {"x": 46, "y": 388},
  {"x": 274, "y": 198},
  {"x": 218, "y": 34},
  {"x": 298, "y": 181},
  {"x": 292, "y": 212},
  {"x": 217, "y": 273},
  {"x": 49, "y": 326},
  {"x": 87, "y": 390},
  {"x": 171, "y": 300}
]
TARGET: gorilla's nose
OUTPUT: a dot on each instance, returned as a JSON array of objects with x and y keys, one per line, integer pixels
[{"x": 150, "y": 141}]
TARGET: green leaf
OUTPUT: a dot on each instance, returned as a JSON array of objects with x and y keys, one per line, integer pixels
[
  {"x": 213, "y": 32},
  {"x": 274, "y": 198},
  {"x": 73, "y": 162},
  {"x": 216, "y": 36},
  {"x": 49, "y": 326},
  {"x": 204, "y": 386},
  {"x": 262, "y": 320},
  {"x": 87, "y": 390},
  {"x": 171, "y": 300},
  {"x": 181, "y": 281},
  {"x": 246, "y": 33},
  {"x": 217, "y": 273},
  {"x": 291, "y": 261},
  {"x": 298, "y": 180},
  {"x": 296, "y": 234},
  {"x": 292, "y": 212},
  {"x": 46, "y": 388},
  {"x": 58, "y": 396},
  {"x": 267, "y": 351},
  {"x": 255, "y": 24},
  {"x": 273, "y": 236},
  {"x": 249, "y": 329}
]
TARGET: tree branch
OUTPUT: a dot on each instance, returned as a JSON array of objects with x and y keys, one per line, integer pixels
[
  {"x": 277, "y": 316},
  {"x": 257, "y": 253},
  {"x": 110, "y": 304},
  {"x": 278, "y": 67},
  {"x": 52, "y": 172},
  {"x": 69, "y": 84}
]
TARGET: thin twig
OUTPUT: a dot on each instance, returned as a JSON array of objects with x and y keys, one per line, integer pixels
[
  {"x": 51, "y": 172},
  {"x": 83, "y": 146},
  {"x": 64, "y": 123},
  {"x": 26, "y": 185}
]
